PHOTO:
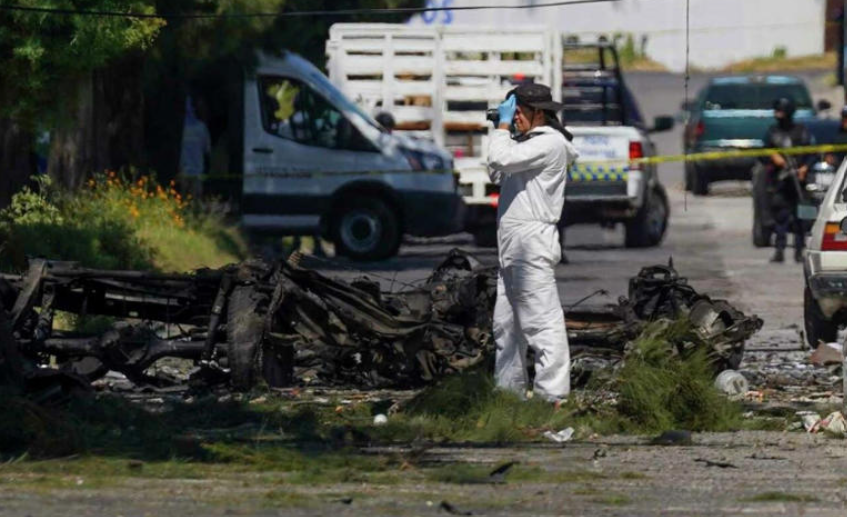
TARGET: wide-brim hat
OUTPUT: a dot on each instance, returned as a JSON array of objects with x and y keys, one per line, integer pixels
[{"x": 536, "y": 96}]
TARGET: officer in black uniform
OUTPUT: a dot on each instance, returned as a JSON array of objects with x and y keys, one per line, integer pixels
[{"x": 786, "y": 177}]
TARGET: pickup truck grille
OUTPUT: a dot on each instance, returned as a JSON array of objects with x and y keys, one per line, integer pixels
[{"x": 596, "y": 189}]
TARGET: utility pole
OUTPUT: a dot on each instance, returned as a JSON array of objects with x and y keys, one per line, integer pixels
[{"x": 842, "y": 55}]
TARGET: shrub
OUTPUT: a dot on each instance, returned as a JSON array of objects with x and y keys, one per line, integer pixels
[{"x": 117, "y": 221}]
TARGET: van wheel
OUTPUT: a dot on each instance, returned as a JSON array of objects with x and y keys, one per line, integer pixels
[
  {"x": 818, "y": 328},
  {"x": 648, "y": 226},
  {"x": 366, "y": 229}
]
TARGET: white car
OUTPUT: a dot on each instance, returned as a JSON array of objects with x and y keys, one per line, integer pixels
[{"x": 825, "y": 268}]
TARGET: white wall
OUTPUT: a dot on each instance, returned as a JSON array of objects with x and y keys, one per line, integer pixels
[{"x": 722, "y": 31}]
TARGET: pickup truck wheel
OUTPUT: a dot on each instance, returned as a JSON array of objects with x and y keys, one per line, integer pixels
[
  {"x": 688, "y": 175},
  {"x": 648, "y": 227},
  {"x": 818, "y": 328},
  {"x": 366, "y": 229},
  {"x": 699, "y": 181}
]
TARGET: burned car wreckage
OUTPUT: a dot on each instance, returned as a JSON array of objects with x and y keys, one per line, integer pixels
[{"x": 285, "y": 325}]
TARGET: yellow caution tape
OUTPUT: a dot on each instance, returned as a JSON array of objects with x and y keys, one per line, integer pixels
[
  {"x": 594, "y": 170},
  {"x": 736, "y": 153}
]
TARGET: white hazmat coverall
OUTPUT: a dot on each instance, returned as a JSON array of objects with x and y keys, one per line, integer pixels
[{"x": 532, "y": 176}]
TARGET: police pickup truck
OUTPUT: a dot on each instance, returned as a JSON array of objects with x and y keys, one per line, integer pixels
[
  {"x": 438, "y": 82},
  {"x": 604, "y": 187}
]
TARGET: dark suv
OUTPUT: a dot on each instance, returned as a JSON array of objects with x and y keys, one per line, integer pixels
[{"x": 732, "y": 113}]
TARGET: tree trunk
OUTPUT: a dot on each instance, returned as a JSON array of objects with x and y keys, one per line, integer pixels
[
  {"x": 124, "y": 98},
  {"x": 80, "y": 145},
  {"x": 106, "y": 130},
  {"x": 16, "y": 160}
]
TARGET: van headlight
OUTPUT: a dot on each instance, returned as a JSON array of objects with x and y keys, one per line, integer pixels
[
  {"x": 433, "y": 162},
  {"x": 420, "y": 161}
]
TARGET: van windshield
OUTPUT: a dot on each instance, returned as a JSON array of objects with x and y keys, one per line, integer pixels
[
  {"x": 755, "y": 96},
  {"x": 338, "y": 99}
]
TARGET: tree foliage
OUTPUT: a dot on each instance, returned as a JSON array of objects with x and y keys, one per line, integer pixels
[
  {"x": 42, "y": 51},
  {"x": 112, "y": 90}
]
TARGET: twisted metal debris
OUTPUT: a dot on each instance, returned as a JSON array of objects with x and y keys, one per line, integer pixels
[{"x": 285, "y": 325}]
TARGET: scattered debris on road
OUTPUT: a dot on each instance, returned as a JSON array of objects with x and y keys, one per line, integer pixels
[
  {"x": 834, "y": 424},
  {"x": 562, "y": 436}
]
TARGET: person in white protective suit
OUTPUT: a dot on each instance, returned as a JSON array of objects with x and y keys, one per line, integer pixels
[{"x": 531, "y": 170}]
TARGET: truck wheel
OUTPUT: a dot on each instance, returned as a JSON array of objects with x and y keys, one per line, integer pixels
[
  {"x": 366, "y": 229},
  {"x": 688, "y": 175},
  {"x": 485, "y": 237},
  {"x": 245, "y": 329},
  {"x": 699, "y": 181},
  {"x": 648, "y": 226},
  {"x": 818, "y": 328}
]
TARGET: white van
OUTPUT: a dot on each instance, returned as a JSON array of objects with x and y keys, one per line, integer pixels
[{"x": 314, "y": 162}]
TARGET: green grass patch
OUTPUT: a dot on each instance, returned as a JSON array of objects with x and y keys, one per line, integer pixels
[
  {"x": 117, "y": 221},
  {"x": 467, "y": 407},
  {"x": 461, "y": 474},
  {"x": 661, "y": 386},
  {"x": 783, "y": 497},
  {"x": 587, "y": 491},
  {"x": 113, "y": 439},
  {"x": 287, "y": 499},
  {"x": 779, "y": 62},
  {"x": 632, "y": 475},
  {"x": 612, "y": 500}
]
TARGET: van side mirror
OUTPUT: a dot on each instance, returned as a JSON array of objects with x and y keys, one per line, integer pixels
[
  {"x": 662, "y": 123},
  {"x": 824, "y": 105}
]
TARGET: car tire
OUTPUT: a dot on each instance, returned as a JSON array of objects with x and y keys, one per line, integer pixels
[
  {"x": 485, "y": 237},
  {"x": 366, "y": 229},
  {"x": 699, "y": 181},
  {"x": 818, "y": 328},
  {"x": 648, "y": 227}
]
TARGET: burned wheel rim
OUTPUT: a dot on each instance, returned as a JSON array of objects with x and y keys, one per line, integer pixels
[
  {"x": 245, "y": 335},
  {"x": 361, "y": 230}
]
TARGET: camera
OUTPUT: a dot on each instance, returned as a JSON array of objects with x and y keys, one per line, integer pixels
[{"x": 494, "y": 116}]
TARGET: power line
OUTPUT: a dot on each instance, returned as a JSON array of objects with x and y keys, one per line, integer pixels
[{"x": 290, "y": 14}]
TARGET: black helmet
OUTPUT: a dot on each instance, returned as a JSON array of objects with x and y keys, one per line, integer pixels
[
  {"x": 386, "y": 120},
  {"x": 785, "y": 105}
]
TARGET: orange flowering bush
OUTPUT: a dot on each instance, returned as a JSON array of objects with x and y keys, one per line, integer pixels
[
  {"x": 116, "y": 220},
  {"x": 139, "y": 198}
]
